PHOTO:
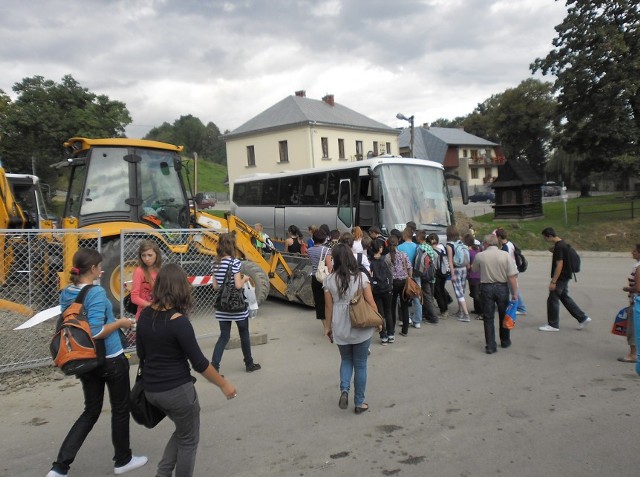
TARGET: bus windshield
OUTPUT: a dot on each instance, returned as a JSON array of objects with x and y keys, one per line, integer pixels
[{"x": 413, "y": 192}]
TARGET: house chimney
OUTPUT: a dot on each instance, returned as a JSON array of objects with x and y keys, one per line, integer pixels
[
  {"x": 329, "y": 100},
  {"x": 301, "y": 93}
]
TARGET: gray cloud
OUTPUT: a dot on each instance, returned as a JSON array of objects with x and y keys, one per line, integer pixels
[{"x": 225, "y": 61}]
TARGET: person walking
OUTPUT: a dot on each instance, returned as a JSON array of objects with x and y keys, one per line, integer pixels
[
  {"x": 410, "y": 247},
  {"x": 353, "y": 343},
  {"x": 497, "y": 276},
  {"x": 429, "y": 310},
  {"x": 112, "y": 373},
  {"x": 443, "y": 274},
  {"x": 166, "y": 344},
  {"x": 559, "y": 286},
  {"x": 473, "y": 277},
  {"x": 400, "y": 269},
  {"x": 458, "y": 271},
  {"x": 633, "y": 290},
  {"x": 226, "y": 258},
  {"x": 510, "y": 248},
  {"x": 317, "y": 254},
  {"x": 144, "y": 276},
  {"x": 381, "y": 287}
]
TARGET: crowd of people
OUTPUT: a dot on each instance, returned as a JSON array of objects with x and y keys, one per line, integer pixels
[{"x": 379, "y": 267}]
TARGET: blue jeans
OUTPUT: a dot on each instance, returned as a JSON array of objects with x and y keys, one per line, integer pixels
[
  {"x": 354, "y": 362},
  {"x": 225, "y": 334},
  {"x": 115, "y": 375},
  {"x": 417, "y": 306},
  {"x": 182, "y": 407}
]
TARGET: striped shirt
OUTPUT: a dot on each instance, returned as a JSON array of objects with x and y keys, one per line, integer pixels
[
  {"x": 315, "y": 253},
  {"x": 219, "y": 271}
]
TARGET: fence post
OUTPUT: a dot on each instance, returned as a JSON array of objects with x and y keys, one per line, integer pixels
[
  {"x": 578, "y": 217},
  {"x": 632, "y": 210}
]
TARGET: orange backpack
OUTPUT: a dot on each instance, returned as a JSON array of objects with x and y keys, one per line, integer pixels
[{"x": 72, "y": 347}]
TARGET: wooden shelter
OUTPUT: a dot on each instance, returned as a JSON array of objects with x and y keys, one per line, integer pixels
[{"x": 518, "y": 190}]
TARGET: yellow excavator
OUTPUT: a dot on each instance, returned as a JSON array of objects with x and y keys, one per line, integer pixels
[{"x": 118, "y": 184}]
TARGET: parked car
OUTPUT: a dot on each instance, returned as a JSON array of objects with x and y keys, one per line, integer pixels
[
  {"x": 551, "y": 188},
  {"x": 487, "y": 197},
  {"x": 205, "y": 201}
]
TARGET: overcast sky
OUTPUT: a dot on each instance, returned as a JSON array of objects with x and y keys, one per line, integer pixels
[{"x": 227, "y": 61}]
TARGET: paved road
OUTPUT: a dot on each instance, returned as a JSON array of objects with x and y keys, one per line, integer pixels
[{"x": 553, "y": 404}]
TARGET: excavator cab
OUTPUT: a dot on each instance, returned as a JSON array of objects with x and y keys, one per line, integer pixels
[{"x": 125, "y": 180}]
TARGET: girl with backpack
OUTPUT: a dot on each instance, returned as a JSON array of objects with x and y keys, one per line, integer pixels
[
  {"x": 474, "y": 277},
  {"x": 381, "y": 287},
  {"x": 113, "y": 372},
  {"x": 458, "y": 271},
  {"x": 319, "y": 254},
  {"x": 400, "y": 270}
]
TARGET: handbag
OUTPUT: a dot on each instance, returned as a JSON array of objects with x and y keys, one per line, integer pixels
[
  {"x": 228, "y": 298},
  {"x": 411, "y": 289},
  {"x": 361, "y": 314},
  {"x": 322, "y": 271},
  {"x": 621, "y": 322},
  {"x": 129, "y": 306},
  {"x": 142, "y": 411}
]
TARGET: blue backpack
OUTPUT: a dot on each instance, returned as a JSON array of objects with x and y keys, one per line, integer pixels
[{"x": 460, "y": 254}]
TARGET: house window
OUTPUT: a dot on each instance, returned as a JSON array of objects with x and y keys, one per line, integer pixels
[
  {"x": 251, "y": 156},
  {"x": 325, "y": 147},
  {"x": 474, "y": 153},
  {"x": 388, "y": 148},
  {"x": 487, "y": 171},
  {"x": 284, "y": 151},
  {"x": 474, "y": 173},
  {"x": 358, "y": 150},
  {"x": 464, "y": 153},
  {"x": 341, "y": 149},
  {"x": 375, "y": 148}
]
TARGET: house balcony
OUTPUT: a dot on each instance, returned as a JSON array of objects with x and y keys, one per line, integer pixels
[{"x": 486, "y": 161}]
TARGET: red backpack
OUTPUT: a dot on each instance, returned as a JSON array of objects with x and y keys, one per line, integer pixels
[{"x": 72, "y": 347}]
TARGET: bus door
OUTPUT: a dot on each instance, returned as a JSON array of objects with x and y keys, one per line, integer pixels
[
  {"x": 345, "y": 207},
  {"x": 279, "y": 223}
]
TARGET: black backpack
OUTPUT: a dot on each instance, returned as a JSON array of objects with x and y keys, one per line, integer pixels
[
  {"x": 521, "y": 262},
  {"x": 381, "y": 278},
  {"x": 573, "y": 261}
]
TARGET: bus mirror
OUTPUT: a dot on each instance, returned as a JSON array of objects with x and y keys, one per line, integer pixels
[{"x": 375, "y": 188}]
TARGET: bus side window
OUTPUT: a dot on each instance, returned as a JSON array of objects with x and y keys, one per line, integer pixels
[
  {"x": 333, "y": 184},
  {"x": 270, "y": 192}
]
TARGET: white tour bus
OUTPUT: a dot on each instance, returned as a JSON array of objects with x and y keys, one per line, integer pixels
[{"x": 386, "y": 191}]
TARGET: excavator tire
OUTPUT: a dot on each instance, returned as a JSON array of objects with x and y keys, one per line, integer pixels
[
  {"x": 259, "y": 279},
  {"x": 112, "y": 272}
]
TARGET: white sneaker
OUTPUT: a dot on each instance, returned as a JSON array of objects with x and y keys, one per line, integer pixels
[
  {"x": 135, "y": 462},
  {"x": 416, "y": 325},
  {"x": 53, "y": 473},
  {"x": 548, "y": 328},
  {"x": 583, "y": 325}
]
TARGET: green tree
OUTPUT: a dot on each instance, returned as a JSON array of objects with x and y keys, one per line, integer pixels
[
  {"x": 190, "y": 132},
  {"x": 45, "y": 114},
  {"x": 448, "y": 123},
  {"x": 596, "y": 62},
  {"x": 520, "y": 119}
]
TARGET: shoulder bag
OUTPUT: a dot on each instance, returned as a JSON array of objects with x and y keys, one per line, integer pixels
[
  {"x": 228, "y": 298},
  {"x": 322, "y": 271},
  {"x": 142, "y": 411},
  {"x": 362, "y": 315},
  {"x": 411, "y": 289}
]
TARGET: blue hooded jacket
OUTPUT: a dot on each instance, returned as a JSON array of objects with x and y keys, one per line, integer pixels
[{"x": 98, "y": 307}]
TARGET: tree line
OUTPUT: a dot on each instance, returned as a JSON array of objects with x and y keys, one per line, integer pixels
[{"x": 584, "y": 122}]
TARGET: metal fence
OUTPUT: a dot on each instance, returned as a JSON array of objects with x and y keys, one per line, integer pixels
[
  {"x": 619, "y": 210},
  {"x": 30, "y": 272},
  {"x": 179, "y": 246}
]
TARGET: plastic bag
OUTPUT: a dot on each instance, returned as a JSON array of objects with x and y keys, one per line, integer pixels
[
  {"x": 251, "y": 299},
  {"x": 511, "y": 315}
]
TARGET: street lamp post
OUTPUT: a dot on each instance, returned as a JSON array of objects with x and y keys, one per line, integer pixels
[{"x": 410, "y": 119}]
